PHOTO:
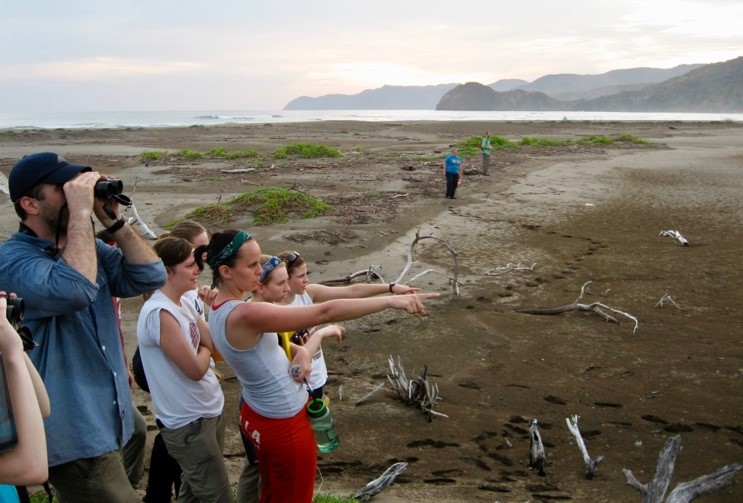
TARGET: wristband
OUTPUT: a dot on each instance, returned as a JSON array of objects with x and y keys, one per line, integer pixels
[
  {"x": 392, "y": 285},
  {"x": 117, "y": 225}
]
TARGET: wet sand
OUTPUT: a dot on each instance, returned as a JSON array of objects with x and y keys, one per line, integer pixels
[{"x": 575, "y": 214}]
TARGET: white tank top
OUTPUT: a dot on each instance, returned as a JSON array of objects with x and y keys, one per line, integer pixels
[{"x": 178, "y": 399}]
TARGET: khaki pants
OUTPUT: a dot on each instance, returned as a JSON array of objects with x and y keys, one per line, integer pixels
[
  {"x": 92, "y": 480},
  {"x": 198, "y": 449}
]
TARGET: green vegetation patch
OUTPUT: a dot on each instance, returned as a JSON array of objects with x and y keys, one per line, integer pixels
[
  {"x": 328, "y": 498},
  {"x": 470, "y": 147},
  {"x": 543, "y": 142},
  {"x": 596, "y": 140},
  {"x": 216, "y": 152},
  {"x": 306, "y": 151},
  {"x": 269, "y": 205},
  {"x": 630, "y": 138}
]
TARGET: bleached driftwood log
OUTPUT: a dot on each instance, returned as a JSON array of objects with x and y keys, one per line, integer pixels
[
  {"x": 237, "y": 170},
  {"x": 591, "y": 464},
  {"x": 536, "y": 453},
  {"x": 595, "y": 307},
  {"x": 509, "y": 267},
  {"x": 418, "y": 392},
  {"x": 675, "y": 235},
  {"x": 655, "y": 490},
  {"x": 379, "y": 484}
]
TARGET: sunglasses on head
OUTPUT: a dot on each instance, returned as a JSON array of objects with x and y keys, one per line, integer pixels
[{"x": 291, "y": 258}]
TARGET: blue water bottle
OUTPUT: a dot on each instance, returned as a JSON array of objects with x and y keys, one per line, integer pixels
[{"x": 323, "y": 425}]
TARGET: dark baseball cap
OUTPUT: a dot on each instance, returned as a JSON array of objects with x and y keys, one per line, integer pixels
[{"x": 44, "y": 167}]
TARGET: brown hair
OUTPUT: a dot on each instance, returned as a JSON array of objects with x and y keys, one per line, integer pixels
[
  {"x": 35, "y": 193},
  {"x": 217, "y": 243},
  {"x": 186, "y": 229},
  {"x": 292, "y": 259},
  {"x": 172, "y": 250}
]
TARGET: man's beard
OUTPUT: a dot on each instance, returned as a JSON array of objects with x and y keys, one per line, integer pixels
[{"x": 56, "y": 220}]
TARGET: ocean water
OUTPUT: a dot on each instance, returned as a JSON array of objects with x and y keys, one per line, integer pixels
[{"x": 108, "y": 120}]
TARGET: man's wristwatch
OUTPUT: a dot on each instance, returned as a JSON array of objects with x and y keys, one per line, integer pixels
[{"x": 117, "y": 225}]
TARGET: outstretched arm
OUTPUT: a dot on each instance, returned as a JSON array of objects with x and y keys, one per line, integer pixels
[
  {"x": 266, "y": 317},
  {"x": 321, "y": 293}
]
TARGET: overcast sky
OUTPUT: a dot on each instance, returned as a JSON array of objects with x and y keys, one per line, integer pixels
[{"x": 110, "y": 55}]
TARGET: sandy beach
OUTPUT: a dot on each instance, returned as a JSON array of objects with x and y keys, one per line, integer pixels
[{"x": 546, "y": 222}]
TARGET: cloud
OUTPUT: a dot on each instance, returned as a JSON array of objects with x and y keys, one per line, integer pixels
[{"x": 96, "y": 69}]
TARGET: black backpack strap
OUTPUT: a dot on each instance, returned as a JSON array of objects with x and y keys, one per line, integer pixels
[
  {"x": 48, "y": 490},
  {"x": 24, "y": 497}
]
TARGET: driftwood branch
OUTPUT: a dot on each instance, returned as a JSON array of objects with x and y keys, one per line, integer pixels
[
  {"x": 591, "y": 464},
  {"x": 655, "y": 490},
  {"x": 675, "y": 235},
  {"x": 417, "y": 392},
  {"x": 536, "y": 453},
  {"x": 509, "y": 267},
  {"x": 379, "y": 484},
  {"x": 594, "y": 307},
  {"x": 704, "y": 485},
  {"x": 668, "y": 298},
  {"x": 453, "y": 280},
  {"x": 368, "y": 395},
  {"x": 369, "y": 275},
  {"x": 372, "y": 273},
  {"x": 136, "y": 219}
]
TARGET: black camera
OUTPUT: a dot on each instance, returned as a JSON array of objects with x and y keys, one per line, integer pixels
[
  {"x": 300, "y": 336},
  {"x": 14, "y": 311},
  {"x": 106, "y": 189}
]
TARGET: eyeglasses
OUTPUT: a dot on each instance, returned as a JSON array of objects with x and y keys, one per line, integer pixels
[
  {"x": 269, "y": 266},
  {"x": 291, "y": 258}
]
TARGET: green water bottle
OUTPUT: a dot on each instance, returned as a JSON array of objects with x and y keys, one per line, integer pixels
[{"x": 323, "y": 425}]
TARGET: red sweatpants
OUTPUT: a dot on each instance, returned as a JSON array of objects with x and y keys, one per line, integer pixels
[{"x": 287, "y": 455}]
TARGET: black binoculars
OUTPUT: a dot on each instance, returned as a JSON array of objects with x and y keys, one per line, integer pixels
[
  {"x": 106, "y": 189},
  {"x": 111, "y": 189}
]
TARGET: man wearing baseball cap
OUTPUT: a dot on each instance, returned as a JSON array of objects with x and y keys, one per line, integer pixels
[{"x": 67, "y": 279}]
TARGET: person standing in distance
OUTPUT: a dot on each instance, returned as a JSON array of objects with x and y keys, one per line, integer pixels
[
  {"x": 486, "y": 149},
  {"x": 67, "y": 279},
  {"x": 453, "y": 172}
]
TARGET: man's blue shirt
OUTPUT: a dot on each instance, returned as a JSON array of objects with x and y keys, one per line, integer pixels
[{"x": 79, "y": 354}]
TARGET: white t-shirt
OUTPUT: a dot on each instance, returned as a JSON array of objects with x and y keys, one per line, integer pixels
[
  {"x": 319, "y": 375},
  {"x": 178, "y": 399}
]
